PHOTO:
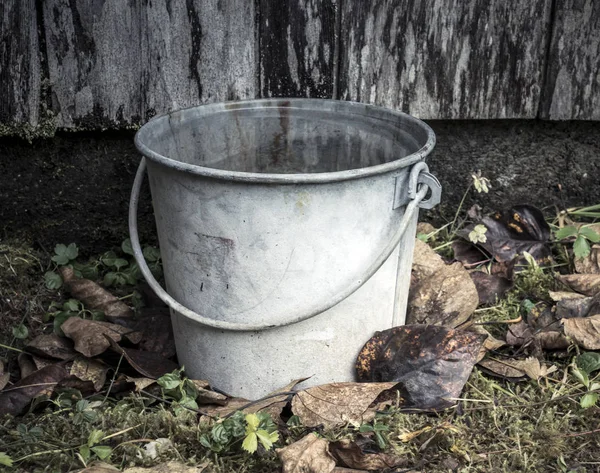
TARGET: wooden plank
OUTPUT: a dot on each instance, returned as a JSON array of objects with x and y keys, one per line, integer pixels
[
  {"x": 297, "y": 48},
  {"x": 198, "y": 51},
  {"x": 572, "y": 88},
  {"x": 94, "y": 62},
  {"x": 445, "y": 58},
  {"x": 20, "y": 70},
  {"x": 115, "y": 63}
]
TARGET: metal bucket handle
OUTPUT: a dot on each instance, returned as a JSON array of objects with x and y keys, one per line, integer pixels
[{"x": 417, "y": 193}]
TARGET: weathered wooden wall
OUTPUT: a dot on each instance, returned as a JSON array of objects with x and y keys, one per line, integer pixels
[
  {"x": 445, "y": 58},
  {"x": 115, "y": 64},
  {"x": 111, "y": 63},
  {"x": 298, "y": 48},
  {"x": 20, "y": 68},
  {"x": 572, "y": 89}
]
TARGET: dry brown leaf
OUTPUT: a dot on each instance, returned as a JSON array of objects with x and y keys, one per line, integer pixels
[
  {"x": 503, "y": 369},
  {"x": 99, "y": 467},
  {"x": 147, "y": 363},
  {"x": 52, "y": 346},
  {"x": 558, "y": 296},
  {"x": 519, "y": 334},
  {"x": 206, "y": 395},
  {"x": 440, "y": 294},
  {"x": 468, "y": 254},
  {"x": 95, "y": 297},
  {"x": 590, "y": 264},
  {"x": 90, "y": 370},
  {"x": 4, "y": 376},
  {"x": 310, "y": 454},
  {"x": 26, "y": 364},
  {"x": 169, "y": 467},
  {"x": 154, "y": 323},
  {"x": 40, "y": 362},
  {"x": 271, "y": 403},
  {"x": 89, "y": 335},
  {"x": 552, "y": 340},
  {"x": 337, "y": 404},
  {"x": 432, "y": 363},
  {"x": 490, "y": 287},
  {"x": 42, "y": 382},
  {"x": 532, "y": 367},
  {"x": 140, "y": 383},
  {"x": 490, "y": 343},
  {"x": 584, "y": 331},
  {"x": 349, "y": 453},
  {"x": 587, "y": 284},
  {"x": 583, "y": 307}
]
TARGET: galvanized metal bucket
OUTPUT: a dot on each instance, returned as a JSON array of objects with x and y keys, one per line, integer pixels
[{"x": 286, "y": 230}]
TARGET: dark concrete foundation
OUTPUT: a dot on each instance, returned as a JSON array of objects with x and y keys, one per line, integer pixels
[{"x": 75, "y": 187}]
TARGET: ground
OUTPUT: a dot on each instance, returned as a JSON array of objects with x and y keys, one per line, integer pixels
[{"x": 74, "y": 188}]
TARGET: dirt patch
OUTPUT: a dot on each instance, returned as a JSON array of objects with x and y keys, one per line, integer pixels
[
  {"x": 75, "y": 186},
  {"x": 71, "y": 188}
]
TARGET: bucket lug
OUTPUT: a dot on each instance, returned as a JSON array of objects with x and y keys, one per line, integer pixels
[{"x": 407, "y": 185}]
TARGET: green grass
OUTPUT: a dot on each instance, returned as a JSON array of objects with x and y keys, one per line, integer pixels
[{"x": 496, "y": 427}]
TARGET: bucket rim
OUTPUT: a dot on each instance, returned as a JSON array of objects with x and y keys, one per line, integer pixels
[{"x": 292, "y": 178}]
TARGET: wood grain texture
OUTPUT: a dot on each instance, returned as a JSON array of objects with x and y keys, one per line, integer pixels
[
  {"x": 114, "y": 63},
  {"x": 198, "y": 51},
  {"x": 445, "y": 58},
  {"x": 20, "y": 70},
  {"x": 297, "y": 48},
  {"x": 94, "y": 62},
  {"x": 572, "y": 88}
]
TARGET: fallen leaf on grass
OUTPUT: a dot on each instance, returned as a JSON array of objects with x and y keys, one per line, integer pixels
[
  {"x": 271, "y": 403},
  {"x": 95, "y": 297},
  {"x": 490, "y": 343},
  {"x": 52, "y": 346},
  {"x": 206, "y": 395},
  {"x": 552, "y": 340},
  {"x": 581, "y": 307},
  {"x": 169, "y": 467},
  {"x": 519, "y": 334},
  {"x": 42, "y": 382},
  {"x": 26, "y": 364},
  {"x": 490, "y": 287},
  {"x": 440, "y": 294},
  {"x": 584, "y": 331},
  {"x": 558, "y": 296},
  {"x": 147, "y": 363},
  {"x": 534, "y": 369},
  {"x": 502, "y": 369},
  {"x": 587, "y": 284},
  {"x": 590, "y": 264},
  {"x": 157, "y": 332},
  {"x": 308, "y": 455},
  {"x": 4, "y": 376},
  {"x": 468, "y": 254},
  {"x": 90, "y": 336},
  {"x": 336, "y": 404},
  {"x": 99, "y": 467},
  {"x": 90, "y": 370},
  {"x": 432, "y": 363},
  {"x": 510, "y": 233},
  {"x": 511, "y": 369},
  {"x": 140, "y": 383},
  {"x": 348, "y": 453}
]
